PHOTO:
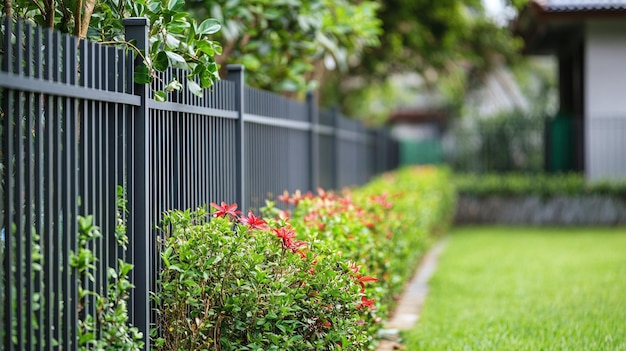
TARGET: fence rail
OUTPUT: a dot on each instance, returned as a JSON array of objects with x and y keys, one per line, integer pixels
[{"x": 75, "y": 128}]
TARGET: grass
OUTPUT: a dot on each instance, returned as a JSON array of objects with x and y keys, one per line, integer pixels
[{"x": 501, "y": 288}]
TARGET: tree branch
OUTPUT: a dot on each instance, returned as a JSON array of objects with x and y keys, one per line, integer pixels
[
  {"x": 41, "y": 9},
  {"x": 84, "y": 26},
  {"x": 77, "y": 17},
  {"x": 67, "y": 15},
  {"x": 8, "y": 8},
  {"x": 49, "y": 13}
]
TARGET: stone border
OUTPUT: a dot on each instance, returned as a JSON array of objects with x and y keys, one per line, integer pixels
[
  {"x": 410, "y": 304},
  {"x": 533, "y": 210}
]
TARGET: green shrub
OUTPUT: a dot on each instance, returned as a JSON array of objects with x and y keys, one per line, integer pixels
[
  {"x": 543, "y": 185},
  {"x": 231, "y": 286},
  {"x": 320, "y": 276}
]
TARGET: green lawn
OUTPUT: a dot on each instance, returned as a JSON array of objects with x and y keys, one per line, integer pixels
[{"x": 500, "y": 288}]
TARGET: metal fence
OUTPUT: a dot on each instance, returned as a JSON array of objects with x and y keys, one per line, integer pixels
[
  {"x": 506, "y": 144},
  {"x": 75, "y": 128}
]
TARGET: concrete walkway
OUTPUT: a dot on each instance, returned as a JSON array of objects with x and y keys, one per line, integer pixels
[{"x": 410, "y": 304}]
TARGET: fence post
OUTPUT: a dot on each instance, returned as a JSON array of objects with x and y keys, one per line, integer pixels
[
  {"x": 381, "y": 148},
  {"x": 334, "y": 112},
  {"x": 314, "y": 140},
  {"x": 139, "y": 193},
  {"x": 236, "y": 75}
]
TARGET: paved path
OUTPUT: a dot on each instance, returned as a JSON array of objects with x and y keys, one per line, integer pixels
[{"x": 410, "y": 304}]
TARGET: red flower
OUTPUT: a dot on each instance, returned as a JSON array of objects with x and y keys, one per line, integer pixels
[
  {"x": 295, "y": 245},
  {"x": 353, "y": 267},
  {"x": 382, "y": 200},
  {"x": 284, "y": 197},
  {"x": 364, "y": 279},
  {"x": 225, "y": 209},
  {"x": 287, "y": 234},
  {"x": 253, "y": 221},
  {"x": 366, "y": 303},
  {"x": 321, "y": 193},
  {"x": 294, "y": 198}
]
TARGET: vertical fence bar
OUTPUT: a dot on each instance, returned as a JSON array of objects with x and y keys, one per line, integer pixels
[
  {"x": 71, "y": 194},
  {"x": 235, "y": 75},
  {"x": 8, "y": 195},
  {"x": 314, "y": 140},
  {"x": 56, "y": 189},
  {"x": 334, "y": 113},
  {"x": 29, "y": 178},
  {"x": 137, "y": 29},
  {"x": 20, "y": 203},
  {"x": 49, "y": 286},
  {"x": 39, "y": 186}
]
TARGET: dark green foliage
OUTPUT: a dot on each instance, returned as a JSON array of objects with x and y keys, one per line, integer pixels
[
  {"x": 176, "y": 39},
  {"x": 544, "y": 185},
  {"x": 322, "y": 276},
  {"x": 109, "y": 328}
]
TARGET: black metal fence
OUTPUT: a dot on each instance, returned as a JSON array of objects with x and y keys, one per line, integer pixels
[
  {"x": 75, "y": 128},
  {"x": 514, "y": 143}
]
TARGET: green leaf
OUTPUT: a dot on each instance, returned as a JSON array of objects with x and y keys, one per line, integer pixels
[
  {"x": 174, "y": 57},
  {"x": 161, "y": 62},
  {"x": 194, "y": 88},
  {"x": 160, "y": 96},
  {"x": 206, "y": 47},
  {"x": 171, "y": 41},
  {"x": 174, "y": 84},
  {"x": 206, "y": 79},
  {"x": 142, "y": 75},
  {"x": 209, "y": 26},
  {"x": 177, "y": 27},
  {"x": 154, "y": 6},
  {"x": 174, "y": 5},
  {"x": 175, "y": 268}
]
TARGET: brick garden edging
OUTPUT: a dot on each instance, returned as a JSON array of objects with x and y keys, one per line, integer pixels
[
  {"x": 406, "y": 312},
  {"x": 534, "y": 210}
]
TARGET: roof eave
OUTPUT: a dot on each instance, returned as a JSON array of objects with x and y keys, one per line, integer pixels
[{"x": 536, "y": 19}]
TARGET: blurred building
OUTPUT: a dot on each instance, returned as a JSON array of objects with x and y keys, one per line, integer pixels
[
  {"x": 419, "y": 131},
  {"x": 589, "y": 40}
]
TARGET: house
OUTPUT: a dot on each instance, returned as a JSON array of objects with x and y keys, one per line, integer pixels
[
  {"x": 589, "y": 40},
  {"x": 419, "y": 131}
]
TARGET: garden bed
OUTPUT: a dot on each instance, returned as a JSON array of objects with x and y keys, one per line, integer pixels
[
  {"x": 532, "y": 209},
  {"x": 539, "y": 200}
]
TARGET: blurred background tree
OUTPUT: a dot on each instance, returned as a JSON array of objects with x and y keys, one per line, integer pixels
[
  {"x": 353, "y": 49},
  {"x": 450, "y": 44},
  {"x": 289, "y": 46}
]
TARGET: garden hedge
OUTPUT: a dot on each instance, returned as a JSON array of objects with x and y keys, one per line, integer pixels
[
  {"x": 319, "y": 274},
  {"x": 541, "y": 184}
]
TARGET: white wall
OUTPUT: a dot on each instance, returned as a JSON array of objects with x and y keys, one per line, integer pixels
[{"x": 605, "y": 99}]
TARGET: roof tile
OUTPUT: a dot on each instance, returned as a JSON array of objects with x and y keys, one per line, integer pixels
[{"x": 581, "y": 5}]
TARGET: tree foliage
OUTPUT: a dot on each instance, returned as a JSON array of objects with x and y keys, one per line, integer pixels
[
  {"x": 451, "y": 44},
  {"x": 176, "y": 40},
  {"x": 288, "y": 45}
]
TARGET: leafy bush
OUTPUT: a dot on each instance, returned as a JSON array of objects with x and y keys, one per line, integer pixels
[
  {"x": 321, "y": 275},
  {"x": 544, "y": 185},
  {"x": 229, "y": 284}
]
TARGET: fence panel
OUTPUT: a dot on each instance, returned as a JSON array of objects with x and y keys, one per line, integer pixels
[
  {"x": 78, "y": 137},
  {"x": 353, "y": 160},
  {"x": 278, "y": 142},
  {"x": 327, "y": 149},
  {"x": 64, "y": 134}
]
